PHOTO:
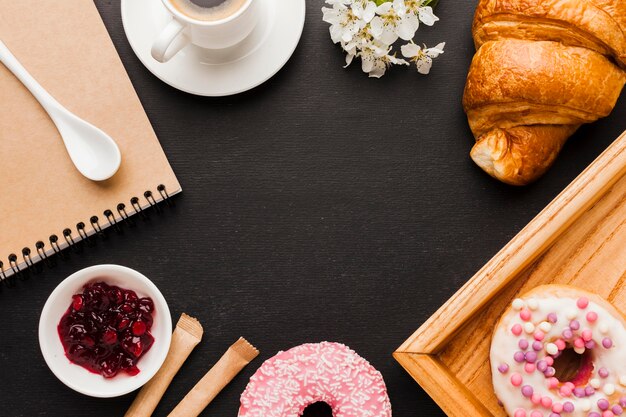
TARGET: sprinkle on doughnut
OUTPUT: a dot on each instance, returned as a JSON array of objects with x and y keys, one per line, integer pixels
[
  {"x": 328, "y": 372},
  {"x": 552, "y": 349},
  {"x": 545, "y": 326},
  {"x": 553, "y": 318},
  {"x": 582, "y": 303},
  {"x": 527, "y": 391},
  {"x": 553, "y": 322},
  {"x": 568, "y": 407}
]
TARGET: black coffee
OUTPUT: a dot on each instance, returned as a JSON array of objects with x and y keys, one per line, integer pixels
[
  {"x": 207, "y": 3},
  {"x": 208, "y": 9}
]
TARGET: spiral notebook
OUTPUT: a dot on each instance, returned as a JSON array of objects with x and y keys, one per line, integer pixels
[{"x": 45, "y": 204}]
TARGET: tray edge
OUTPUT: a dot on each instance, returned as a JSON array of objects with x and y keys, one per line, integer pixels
[{"x": 417, "y": 355}]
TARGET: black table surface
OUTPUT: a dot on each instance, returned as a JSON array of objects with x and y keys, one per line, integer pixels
[{"x": 322, "y": 205}]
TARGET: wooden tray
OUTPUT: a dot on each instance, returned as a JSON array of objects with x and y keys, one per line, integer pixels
[{"x": 578, "y": 239}]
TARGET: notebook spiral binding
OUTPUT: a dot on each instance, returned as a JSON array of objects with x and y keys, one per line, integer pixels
[{"x": 58, "y": 247}]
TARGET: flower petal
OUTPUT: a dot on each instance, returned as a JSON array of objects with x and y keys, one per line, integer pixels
[
  {"x": 383, "y": 9},
  {"x": 331, "y": 16},
  {"x": 389, "y": 35},
  {"x": 379, "y": 49},
  {"x": 367, "y": 63},
  {"x": 410, "y": 50},
  {"x": 376, "y": 27},
  {"x": 349, "y": 58},
  {"x": 369, "y": 12},
  {"x": 407, "y": 27},
  {"x": 423, "y": 65},
  {"x": 357, "y": 9},
  {"x": 378, "y": 70},
  {"x": 350, "y": 30},
  {"x": 397, "y": 61},
  {"x": 350, "y": 47},
  {"x": 427, "y": 16},
  {"x": 400, "y": 7},
  {"x": 336, "y": 32},
  {"x": 435, "y": 51}
]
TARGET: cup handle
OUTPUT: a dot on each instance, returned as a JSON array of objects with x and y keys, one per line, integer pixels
[{"x": 170, "y": 41}]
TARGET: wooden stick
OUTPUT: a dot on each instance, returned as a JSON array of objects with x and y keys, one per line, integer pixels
[
  {"x": 186, "y": 336},
  {"x": 220, "y": 375}
]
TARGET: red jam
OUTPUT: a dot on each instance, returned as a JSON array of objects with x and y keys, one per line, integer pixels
[{"x": 106, "y": 329}]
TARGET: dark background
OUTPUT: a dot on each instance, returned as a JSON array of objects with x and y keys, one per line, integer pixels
[{"x": 322, "y": 205}]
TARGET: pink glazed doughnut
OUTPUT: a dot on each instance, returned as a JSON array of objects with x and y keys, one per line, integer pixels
[{"x": 316, "y": 372}]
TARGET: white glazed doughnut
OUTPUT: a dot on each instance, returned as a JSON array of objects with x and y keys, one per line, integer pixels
[
  {"x": 537, "y": 333},
  {"x": 316, "y": 372}
]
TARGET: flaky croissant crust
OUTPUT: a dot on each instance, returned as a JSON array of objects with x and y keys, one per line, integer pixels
[
  {"x": 524, "y": 83},
  {"x": 543, "y": 68},
  {"x": 599, "y": 25}
]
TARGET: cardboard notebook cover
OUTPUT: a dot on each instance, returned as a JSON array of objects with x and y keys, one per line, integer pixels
[{"x": 67, "y": 49}]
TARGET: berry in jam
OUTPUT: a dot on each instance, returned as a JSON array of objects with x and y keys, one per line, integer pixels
[{"x": 106, "y": 329}]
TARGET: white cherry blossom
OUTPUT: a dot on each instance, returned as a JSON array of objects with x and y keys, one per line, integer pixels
[
  {"x": 394, "y": 21},
  {"x": 375, "y": 57},
  {"x": 365, "y": 10},
  {"x": 423, "y": 58},
  {"x": 369, "y": 29},
  {"x": 344, "y": 24},
  {"x": 376, "y": 60}
]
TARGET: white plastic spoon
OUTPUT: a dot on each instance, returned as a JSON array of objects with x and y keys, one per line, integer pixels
[{"x": 94, "y": 153}]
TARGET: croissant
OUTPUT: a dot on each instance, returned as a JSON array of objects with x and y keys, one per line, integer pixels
[{"x": 542, "y": 68}]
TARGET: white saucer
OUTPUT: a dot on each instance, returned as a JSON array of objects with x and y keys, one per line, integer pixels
[{"x": 218, "y": 72}]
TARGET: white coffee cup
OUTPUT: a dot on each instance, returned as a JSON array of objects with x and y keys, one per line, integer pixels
[{"x": 210, "y": 34}]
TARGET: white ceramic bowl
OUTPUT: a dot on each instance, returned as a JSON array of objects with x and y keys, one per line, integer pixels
[{"x": 77, "y": 377}]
